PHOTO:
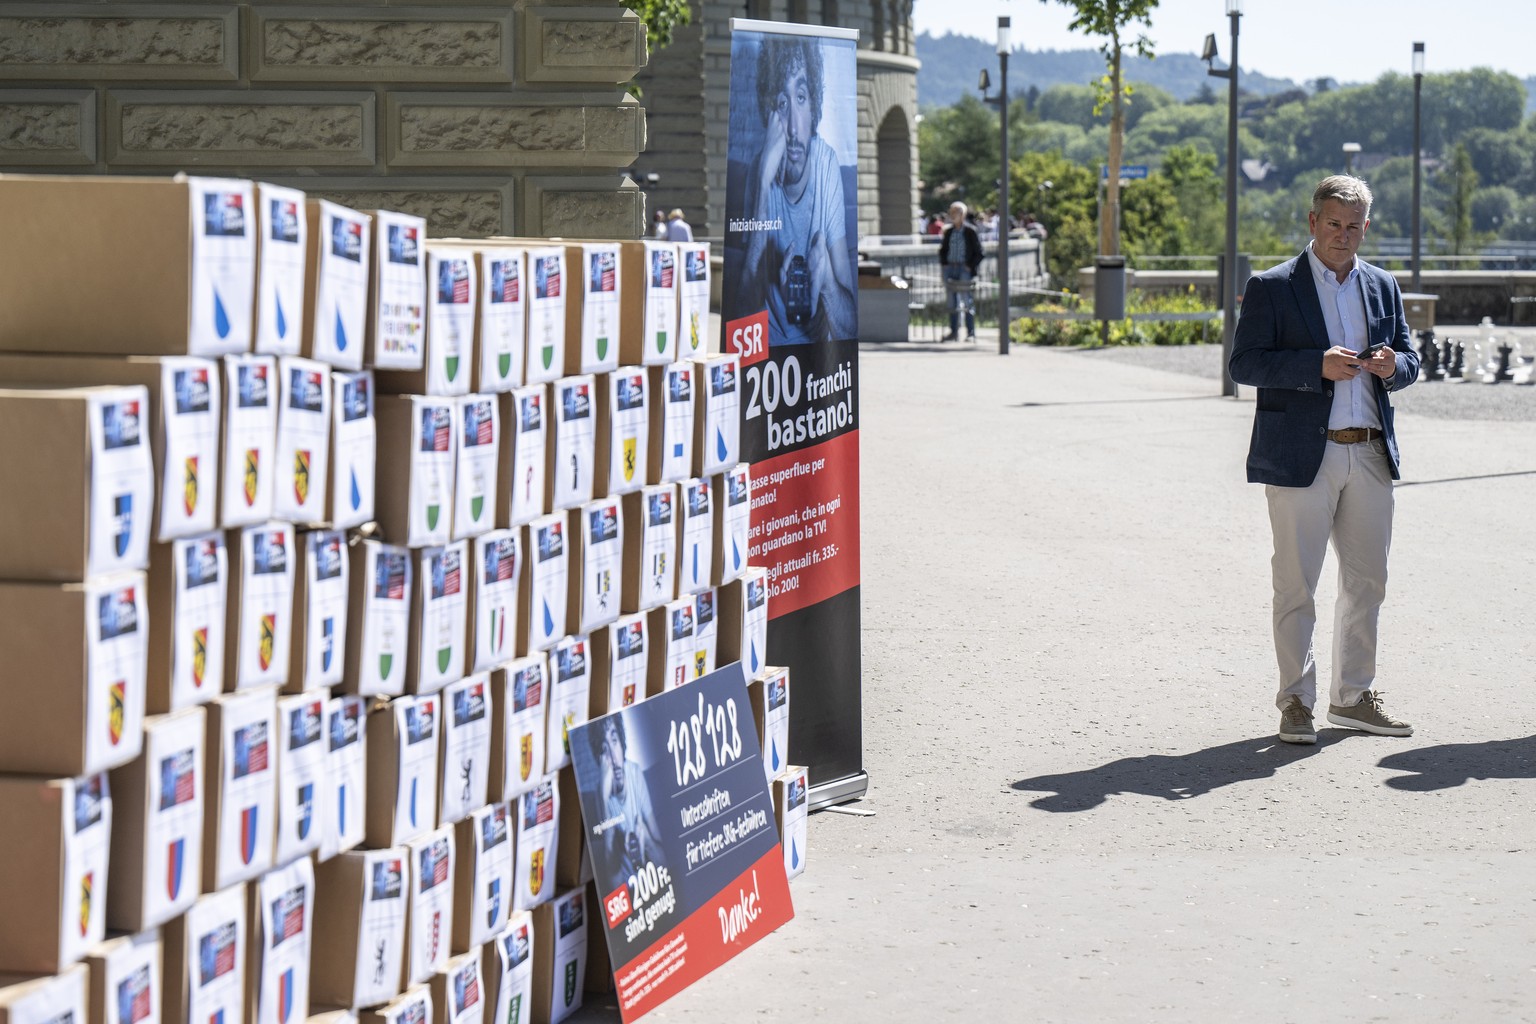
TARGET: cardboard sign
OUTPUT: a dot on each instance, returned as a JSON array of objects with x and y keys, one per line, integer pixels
[
  {"x": 696, "y": 549},
  {"x": 542, "y": 593},
  {"x": 672, "y": 646},
  {"x": 398, "y": 293},
  {"x": 260, "y": 613},
  {"x": 538, "y": 836},
  {"x": 560, "y": 956},
  {"x": 451, "y": 301},
  {"x": 301, "y": 761},
  {"x": 354, "y": 450},
  {"x": 523, "y": 456},
  {"x": 622, "y": 448},
  {"x": 359, "y": 922},
  {"x": 501, "y": 333},
  {"x": 744, "y": 621},
  {"x": 282, "y": 920},
  {"x": 242, "y": 802},
  {"x": 572, "y": 443},
  {"x": 770, "y": 710},
  {"x": 733, "y": 520},
  {"x": 483, "y": 879},
  {"x": 493, "y": 599},
  {"x": 402, "y": 769},
  {"x": 508, "y": 972},
  {"x": 597, "y": 559},
  {"x": 458, "y": 992},
  {"x": 121, "y": 481},
  {"x": 671, "y": 429},
  {"x": 706, "y": 632},
  {"x": 623, "y": 655},
  {"x": 205, "y": 960},
  {"x": 600, "y": 298},
  {"x": 429, "y": 914},
  {"x": 320, "y": 612},
  {"x": 660, "y": 276},
  {"x": 126, "y": 979},
  {"x": 346, "y": 771},
  {"x": 789, "y": 791},
  {"x": 190, "y": 408},
  {"x": 45, "y": 1000},
  {"x": 717, "y": 416},
  {"x": 546, "y": 314},
  {"x": 650, "y": 547},
  {"x": 282, "y": 263},
  {"x": 199, "y": 570},
  {"x": 439, "y": 630},
  {"x": 382, "y": 588},
  {"x": 223, "y": 265},
  {"x": 479, "y": 430},
  {"x": 335, "y": 320},
  {"x": 693, "y": 300},
  {"x": 517, "y": 747},
  {"x": 464, "y": 769},
  {"x": 303, "y": 440},
  {"x": 248, "y": 473},
  {"x": 569, "y": 697},
  {"x": 432, "y": 471}
]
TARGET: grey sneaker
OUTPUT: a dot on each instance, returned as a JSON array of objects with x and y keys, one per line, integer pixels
[
  {"x": 1296, "y": 723},
  {"x": 1368, "y": 716}
]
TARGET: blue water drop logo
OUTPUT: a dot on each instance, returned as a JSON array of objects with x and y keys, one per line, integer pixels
[
  {"x": 413, "y": 803},
  {"x": 357, "y": 494},
  {"x": 282, "y": 318},
  {"x": 773, "y": 746},
  {"x": 720, "y": 449},
  {"x": 794, "y": 854},
  {"x": 695, "y": 563},
  {"x": 754, "y": 655},
  {"x": 549, "y": 620},
  {"x": 220, "y": 317},
  {"x": 735, "y": 555},
  {"x": 341, "y": 332}
]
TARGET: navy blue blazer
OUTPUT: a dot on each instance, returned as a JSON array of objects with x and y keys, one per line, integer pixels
[{"x": 1278, "y": 348}]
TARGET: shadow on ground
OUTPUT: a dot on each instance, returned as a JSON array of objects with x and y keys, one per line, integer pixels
[{"x": 1455, "y": 764}]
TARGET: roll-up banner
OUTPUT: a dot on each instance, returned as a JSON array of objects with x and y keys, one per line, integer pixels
[{"x": 790, "y": 312}]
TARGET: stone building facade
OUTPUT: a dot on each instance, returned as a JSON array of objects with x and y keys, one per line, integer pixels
[
  {"x": 686, "y": 93},
  {"x": 506, "y": 117}
]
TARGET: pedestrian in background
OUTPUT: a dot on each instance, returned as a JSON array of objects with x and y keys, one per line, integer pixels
[
  {"x": 960, "y": 256},
  {"x": 678, "y": 229}
]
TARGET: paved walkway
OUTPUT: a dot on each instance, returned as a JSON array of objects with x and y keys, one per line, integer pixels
[{"x": 1081, "y": 814}]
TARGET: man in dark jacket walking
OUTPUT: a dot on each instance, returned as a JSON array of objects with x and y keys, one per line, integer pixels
[{"x": 960, "y": 255}]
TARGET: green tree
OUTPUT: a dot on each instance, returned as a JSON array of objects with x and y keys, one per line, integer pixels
[
  {"x": 1461, "y": 182},
  {"x": 1191, "y": 173},
  {"x": 660, "y": 18},
  {"x": 1063, "y": 195},
  {"x": 957, "y": 153}
]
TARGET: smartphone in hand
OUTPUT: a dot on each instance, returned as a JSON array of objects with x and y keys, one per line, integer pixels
[{"x": 1369, "y": 352}]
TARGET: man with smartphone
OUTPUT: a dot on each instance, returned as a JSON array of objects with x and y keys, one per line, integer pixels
[{"x": 1324, "y": 339}]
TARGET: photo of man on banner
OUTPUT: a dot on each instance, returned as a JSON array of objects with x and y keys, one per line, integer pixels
[{"x": 630, "y": 836}]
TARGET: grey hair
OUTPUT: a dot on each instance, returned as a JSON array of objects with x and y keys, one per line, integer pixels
[
  {"x": 1342, "y": 188},
  {"x": 957, "y": 205}
]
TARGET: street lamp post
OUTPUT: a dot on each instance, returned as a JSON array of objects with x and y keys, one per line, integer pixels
[
  {"x": 1351, "y": 150},
  {"x": 1418, "y": 82},
  {"x": 1231, "y": 285},
  {"x": 1002, "y": 196}
]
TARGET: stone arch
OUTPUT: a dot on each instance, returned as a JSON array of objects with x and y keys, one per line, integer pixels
[{"x": 894, "y": 144}]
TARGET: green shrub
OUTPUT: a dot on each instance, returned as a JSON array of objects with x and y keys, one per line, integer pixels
[{"x": 1036, "y": 331}]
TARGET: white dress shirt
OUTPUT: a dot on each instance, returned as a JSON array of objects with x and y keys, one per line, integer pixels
[{"x": 1354, "y": 401}]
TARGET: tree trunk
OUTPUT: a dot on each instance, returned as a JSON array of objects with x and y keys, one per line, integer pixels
[{"x": 1109, "y": 218}]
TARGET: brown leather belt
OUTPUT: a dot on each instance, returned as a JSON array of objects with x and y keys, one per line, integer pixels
[{"x": 1354, "y": 435}]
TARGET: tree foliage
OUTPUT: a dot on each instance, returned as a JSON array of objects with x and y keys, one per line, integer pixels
[{"x": 660, "y": 18}]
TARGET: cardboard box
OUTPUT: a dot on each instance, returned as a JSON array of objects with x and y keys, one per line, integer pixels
[
  {"x": 501, "y": 326},
  {"x": 599, "y": 972},
  {"x": 792, "y": 814},
  {"x": 743, "y": 625},
  {"x": 181, "y": 425},
  {"x": 92, "y": 656},
  {"x": 769, "y": 697},
  {"x": 282, "y": 269},
  {"x": 204, "y": 953},
  {"x": 518, "y": 694},
  {"x": 401, "y": 789},
  {"x": 507, "y": 971},
  {"x": 248, "y": 446},
  {"x": 53, "y": 892},
  {"x": 520, "y": 498},
  {"x": 337, "y": 244},
  {"x": 733, "y": 520},
  {"x": 694, "y": 337},
  {"x": 155, "y": 871},
  {"x": 570, "y": 695},
  {"x": 281, "y": 914},
  {"x": 187, "y": 585},
  {"x": 300, "y": 492},
  {"x": 696, "y": 536},
  {"x": 650, "y": 547},
  {"x": 126, "y": 979},
  {"x": 412, "y": 1007},
  {"x": 359, "y": 943},
  {"x": 451, "y": 304},
  {"x": 465, "y": 764},
  {"x": 672, "y": 646},
  {"x": 542, "y": 593},
  {"x": 322, "y": 587},
  {"x": 168, "y": 265},
  {"x": 343, "y": 789},
  {"x": 429, "y": 906},
  {"x": 622, "y": 445},
  {"x": 479, "y": 457},
  {"x": 414, "y": 501},
  {"x": 382, "y": 589},
  {"x": 594, "y": 327},
  {"x": 76, "y": 482},
  {"x": 717, "y": 415},
  {"x": 618, "y": 665},
  {"x": 706, "y": 632},
  {"x": 354, "y": 450},
  {"x": 572, "y": 441},
  {"x": 241, "y": 798},
  {"x": 573, "y": 867},
  {"x": 670, "y": 459},
  {"x": 482, "y": 881},
  {"x": 537, "y": 815},
  {"x": 649, "y": 302},
  {"x": 439, "y": 629},
  {"x": 46, "y": 1000},
  {"x": 397, "y": 292},
  {"x": 560, "y": 956},
  {"x": 550, "y": 318},
  {"x": 492, "y": 609},
  {"x": 458, "y": 996},
  {"x": 301, "y": 757},
  {"x": 259, "y": 611},
  {"x": 596, "y": 561}
]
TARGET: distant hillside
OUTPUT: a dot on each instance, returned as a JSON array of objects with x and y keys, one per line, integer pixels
[{"x": 1530, "y": 94}]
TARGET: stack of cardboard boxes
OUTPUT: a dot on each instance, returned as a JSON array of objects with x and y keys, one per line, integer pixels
[{"x": 320, "y": 538}]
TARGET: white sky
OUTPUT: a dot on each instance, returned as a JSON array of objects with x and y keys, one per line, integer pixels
[{"x": 1349, "y": 40}]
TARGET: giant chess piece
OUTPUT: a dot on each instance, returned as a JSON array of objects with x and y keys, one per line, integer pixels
[
  {"x": 1447, "y": 356},
  {"x": 1458, "y": 361},
  {"x": 1429, "y": 355},
  {"x": 1501, "y": 371}
]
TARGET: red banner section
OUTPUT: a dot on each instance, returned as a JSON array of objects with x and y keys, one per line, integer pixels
[
  {"x": 748, "y": 338},
  {"x": 805, "y": 523},
  {"x": 745, "y": 911}
]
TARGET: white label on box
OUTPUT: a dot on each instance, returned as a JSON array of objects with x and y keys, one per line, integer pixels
[
  {"x": 431, "y": 916},
  {"x": 658, "y": 576},
  {"x": 626, "y": 662},
  {"x": 497, "y": 563},
  {"x": 514, "y": 958},
  {"x": 431, "y": 495},
  {"x": 286, "y": 898},
  {"x": 600, "y": 309},
  {"x": 341, "y": 286},
  {"x": 570, "y": 954},
  {"x": 131, "y": 980},
  {"x": 173, "y": 851},
  {"x": 223, "y": 265},
  {"x": 58, "y": 1000},
  {"x": 303, "y": 440},
  {"x": 122, "y": 481},
  {"x": 341, "y": 789},
  {"x": 793, "y": 829},
  {"x": 88, "y": 836},
  {"x": 705, "y": 632},
  {"x": 738, "y": 519},
  {"x": 546, "y": 315},
  {"x": 450, "y": 321},
  {"x": 281, "y": 277},
  {"x": 443, "y": 612},
  {"x": 775, "y": 727},
  {"x": 190, "y": 408},
  {"x": 722, "y": 433},
  {"x": 467, "y": 1002},
  {"x": 575, "y": 439},
  {"x": 629, "y": 447},
  {"x": 676, "y": 403},
  {"x": 698, "y": 546},
  {"x": 250, "y": 439},
  {"x": 466, "y": 747},
  {"x": 356, "y": 441},
  {"x": 200, "y": 569},
  {"x": 602, "y": 552},
  {"x": 528, "y": 469},
  {"x": 386, "y": 621},
  {"x": 680, "y": 644},
  {"x": 116, "y": 656},
  {"x": 300, "y": 773},
  {"x": 400, "y": 317},
  {"x": 214, "y": 962},
  {"x": 326, "y": 587},
  {"x": 491, "y": 893},
  {"x": 266, "y": 605},
  {"x": 538, "y": 830},
  {"x": 247, "y": 810},
  {"x": 503, "y": 321},
  {"x": 548, "y": 575},
  {"x": 660, "y": 303},
  {"x": 474, "y": 511},
  {"x": 381, "y": 933},
  {"x": 416, "y": 753},
  {"x": 754, "y": 627},
  {"x": 524, "y": 754},
  {"x": 569, "y": 698},
  {"x": 693, "y": 301}
]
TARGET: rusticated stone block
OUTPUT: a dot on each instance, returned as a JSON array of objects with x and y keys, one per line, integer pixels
[
  {"x": 74, "y": 41},
  {"x": 451, "y": 46},
  {"x": 440, "y": 129},
  {"x": 47, "y": 128},
  {"x": 583, "y": 207},
  {"x": 259, "y": 129},
  {"x": 573, "y": 44},
  {"x": 464, "y": 208}
]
